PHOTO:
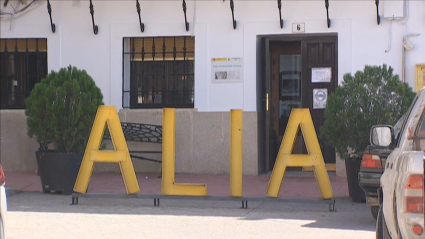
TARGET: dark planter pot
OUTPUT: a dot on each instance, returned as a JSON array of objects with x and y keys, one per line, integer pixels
[
  {"x": 58, "y": 171},
  {"x": 352, "y": 167}
]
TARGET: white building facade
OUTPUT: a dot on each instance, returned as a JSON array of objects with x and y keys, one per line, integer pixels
[{"x": 260, "y": 59}]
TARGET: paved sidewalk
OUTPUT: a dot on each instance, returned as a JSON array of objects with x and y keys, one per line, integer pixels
[{"x": 294, "y": 185}]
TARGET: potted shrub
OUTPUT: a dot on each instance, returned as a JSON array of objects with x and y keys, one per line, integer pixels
[
  {"x": 372, "y": 96},
  {"x": 60, "y": 112}
]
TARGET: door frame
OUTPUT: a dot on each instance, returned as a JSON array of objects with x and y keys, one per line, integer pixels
[{"x": 264, "y": 81}]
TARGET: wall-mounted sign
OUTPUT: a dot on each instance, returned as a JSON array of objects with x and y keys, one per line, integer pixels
[
  {"x": 420, "y": 77},
  {"x": 226, "y": 69},
  {"x": 298, "y": 27},
  {"x": 319, "y": 98},
  {"x": 321, "y": 74}
]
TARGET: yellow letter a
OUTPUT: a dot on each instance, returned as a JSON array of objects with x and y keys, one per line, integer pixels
[
  {"x": 106, "y": 115},
  {"x": 300, "y": 118}
]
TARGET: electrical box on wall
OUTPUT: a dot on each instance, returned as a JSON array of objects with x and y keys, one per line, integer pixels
[
  {"x": 420, "y": 77},
  {"x": 393, "y": 9}
]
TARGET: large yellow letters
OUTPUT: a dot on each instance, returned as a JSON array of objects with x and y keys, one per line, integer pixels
[
  {"x": 168, "y": 161},
  {"x": 106, "y": 115},
  {"x": 300, "y": 118}
]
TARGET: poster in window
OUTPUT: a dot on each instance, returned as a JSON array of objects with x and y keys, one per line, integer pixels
[{"x": 290, "y": 85}]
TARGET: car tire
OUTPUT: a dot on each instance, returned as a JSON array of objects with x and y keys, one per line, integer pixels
[
  {"x": 385, "y": 232},
  {"x": 374, "y": 210},
  {"x": 396, "y": 219},
  {"x": 381, "y": 226},
  {"x": 1, "y": 229}
]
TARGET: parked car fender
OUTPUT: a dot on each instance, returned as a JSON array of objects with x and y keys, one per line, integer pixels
[
  {"x": 389, "y": 191},
  {"x": 402, "y": 182},
  {"x": 3, "y": 205}
]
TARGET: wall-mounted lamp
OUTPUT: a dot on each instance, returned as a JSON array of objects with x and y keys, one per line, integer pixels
[
  {"x": 232, "y": 7},
  {"x": 378, "y": 18},
  {"x": 327, "y": 13},
  {"x": 95, "y": 27},
  {"x": 49, "y": 10},
  {"x": 279, "y": 5},
  {"x": 142, "y": 25},
  {"x": 185, "y": 18}
]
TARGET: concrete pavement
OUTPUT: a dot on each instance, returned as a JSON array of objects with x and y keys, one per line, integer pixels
[{"x": 33, "y": 214}]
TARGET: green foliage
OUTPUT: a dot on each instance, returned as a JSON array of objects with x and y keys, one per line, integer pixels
[
  {"x": 61, "y": 109},
  {"x": 370, "y": 97}
]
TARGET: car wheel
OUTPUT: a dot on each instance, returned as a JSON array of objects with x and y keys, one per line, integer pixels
[
  {"x": 396, "y": 219},
  {"x": 374, "y": 210},
  {"x": 1, "y": 229},
  {"x": 381, "y": 226}
]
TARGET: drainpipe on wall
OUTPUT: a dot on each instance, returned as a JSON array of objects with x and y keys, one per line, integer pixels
[{"x": 403, "y": 65}]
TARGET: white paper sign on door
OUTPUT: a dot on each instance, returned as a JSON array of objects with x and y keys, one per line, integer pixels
[{"x": 321, "y": 74}]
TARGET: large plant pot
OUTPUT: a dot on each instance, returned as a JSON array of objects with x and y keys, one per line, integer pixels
[
  {"x": 58, "y": 171},
  {"x": 355, "y": 192}
]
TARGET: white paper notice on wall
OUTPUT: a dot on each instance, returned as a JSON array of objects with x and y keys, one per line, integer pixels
[
  {"x": 226, "y": 69},
  {"x": 321, "y": 74},
  {"x": 320, "y": 97}
]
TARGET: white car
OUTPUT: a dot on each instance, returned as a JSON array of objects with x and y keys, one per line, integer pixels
[
  {"x": 401, "y": 213},
  {"x": 3, "y": 205}
]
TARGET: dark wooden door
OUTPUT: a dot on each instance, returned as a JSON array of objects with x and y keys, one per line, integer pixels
[
  {"x": 320, "y": 58},
  {"x": 265, "y": 45},
  {"x": 287, "y": 65}
]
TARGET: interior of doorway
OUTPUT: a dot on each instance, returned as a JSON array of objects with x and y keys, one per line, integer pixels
[{"x": 285, "y": 93}]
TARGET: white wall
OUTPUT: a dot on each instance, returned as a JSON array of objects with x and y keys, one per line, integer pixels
[{"x": 360, "y": 40}]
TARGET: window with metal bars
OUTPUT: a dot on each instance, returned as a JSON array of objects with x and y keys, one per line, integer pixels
[
  {"x": 23, "y": 63},
  {"x": 158, "y": 72}
]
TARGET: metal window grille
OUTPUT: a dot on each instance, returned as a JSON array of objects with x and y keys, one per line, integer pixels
[
  {"x": 158, "y": 72},
  {"x": 23, "y": 63}
]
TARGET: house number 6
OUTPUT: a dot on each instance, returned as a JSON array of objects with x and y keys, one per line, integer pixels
[{"x": 298, "y": 27}]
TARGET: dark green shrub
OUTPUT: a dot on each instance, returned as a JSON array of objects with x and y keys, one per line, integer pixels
[
  {"x": 61, "y": 109},
  {"x": 373, "y": 96}
]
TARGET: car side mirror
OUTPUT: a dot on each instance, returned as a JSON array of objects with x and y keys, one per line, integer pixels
[{"x": 382, "y": 135}]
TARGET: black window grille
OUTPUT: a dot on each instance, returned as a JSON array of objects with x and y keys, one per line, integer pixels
[
  {"x": 158, "y": 72},
  {"x": 23, "y": 63}
]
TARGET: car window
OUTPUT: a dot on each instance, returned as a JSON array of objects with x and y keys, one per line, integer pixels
[
  {"x": 397, "y": 126},
  {"x": 403, "y": 125},
  {"x": 421, "y": 129},
  {"x": 419, "y": 138}
]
